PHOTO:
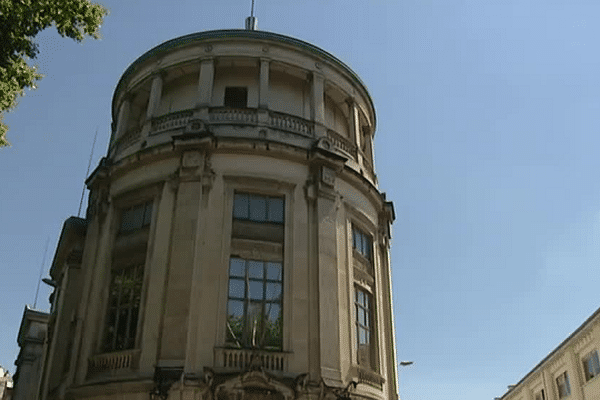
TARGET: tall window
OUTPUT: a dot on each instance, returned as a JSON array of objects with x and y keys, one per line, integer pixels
[
  {"x": 591, "y": 366},
  {"x": 364, "y": 328},
  {"x": 562, "y": 383},
  {"x": 123, "y": 308},
  {"x": 254, "y": 306},
  {"x": 127, "y": 272},
  {"x": 255, "y": 299},
  {"x": 236, "y": 97}
]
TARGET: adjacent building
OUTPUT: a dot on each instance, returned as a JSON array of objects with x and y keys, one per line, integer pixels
[
  {"x": 570, "y": 371},
  {"x": 236, "y": 243}
]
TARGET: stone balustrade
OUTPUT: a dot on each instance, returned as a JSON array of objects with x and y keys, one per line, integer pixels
[
  {"x": 233, "y": 115},
  {"x": 174, "y": 120},
  {"x": 341, "y": 143},
  {"x": 115, "y": 361},
  {"x": 240, "y": 359},
  {"x": 129, "y": 138},
  {"x": 290, "y": 123}
]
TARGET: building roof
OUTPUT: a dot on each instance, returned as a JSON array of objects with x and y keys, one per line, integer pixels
[
  {"x": 237, "y": 34},
  {"x": 553, "y": 352}
]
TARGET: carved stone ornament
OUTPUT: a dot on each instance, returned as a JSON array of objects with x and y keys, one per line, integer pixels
[
  {"x": 192, "y": 159},
  {"x": 327, "y": 176}
]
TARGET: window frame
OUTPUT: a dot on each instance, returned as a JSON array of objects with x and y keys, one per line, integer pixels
[
  {"x": 539, "y": 395},
  {"x": 591, "y": 356},
  {"x": 563, "y": 385},
  {"x": 121, "y": 259},
  {"x": 247, "y": 340},
  {"x": 265, "y": 249}
]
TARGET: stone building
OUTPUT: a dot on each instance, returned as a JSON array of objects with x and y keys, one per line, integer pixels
[
  {"x": 31, "y": 339},
  {"x": 236, "y": 244},
  {"x": 6, "y": 384},
  {"x": 571, "y": 370}
]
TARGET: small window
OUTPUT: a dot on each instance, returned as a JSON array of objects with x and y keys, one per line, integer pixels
[
  {"x": 136, "y": 217},
  {"x": 562, "y": 383},
  {"x": 236, "y": 97},
  {"x": 258, "y": 208},
  {"x": 591, "y": 366},
  {"x": 540, "y": 395},
  {"x": 362, "y": 243}
]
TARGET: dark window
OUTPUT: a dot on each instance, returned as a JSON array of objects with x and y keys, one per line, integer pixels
[
  {"x": 254, "y": 317},
  {"x": 362, "y": 243},
  {"x": 562, "y": 383},
  {"x": 136, "y": 217},
  {"x": 123, "y": 308},
  {"x": 236, "y": 97},
  {"x": 591, "y": 366}
]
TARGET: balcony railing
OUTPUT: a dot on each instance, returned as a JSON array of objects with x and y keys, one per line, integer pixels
[
  {"x": 290, "y": 123},
  {"x": 243, "y": 358},
  {"x": 233, "y": 115},
  {"x": 115, "y": 361},
  {"x": 129, "y": 138},
  {"x": 341, "y": 143},
  {"x": 178, "y": 119}
]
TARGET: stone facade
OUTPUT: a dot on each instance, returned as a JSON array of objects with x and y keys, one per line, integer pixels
[
  {"x": 31, "y": 340},
  {"x": 236, "y": 244},
  {"x": 571, "y": 370},
  {"x": 6, "y": 385}
]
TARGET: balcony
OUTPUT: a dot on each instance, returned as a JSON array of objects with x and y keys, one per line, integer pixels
[
  {"x": 115, "y": 362},
  {"x": 240, "y": 359}
]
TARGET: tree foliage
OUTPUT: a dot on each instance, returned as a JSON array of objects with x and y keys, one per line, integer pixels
[{"x": 20, "y": 22}]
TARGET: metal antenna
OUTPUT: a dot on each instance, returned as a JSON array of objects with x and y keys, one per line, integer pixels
[
  {"x": 37, "y": 291},
  {"x": 87, "y": 173},
  {"x": 251, "y": 22}
]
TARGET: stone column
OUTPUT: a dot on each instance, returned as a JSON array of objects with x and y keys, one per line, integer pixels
[
  {"x": 263, "y": 91},
  {"x": 205, "y": 86},
  {"x": 355, "y": 129},
  {"x": 123, "y": 117},
  {"x": 318, "y": 104},
  {"x": 153, "y": 102}
]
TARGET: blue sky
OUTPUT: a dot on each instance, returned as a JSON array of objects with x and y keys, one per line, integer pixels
[{"x": 487, "y": 141}]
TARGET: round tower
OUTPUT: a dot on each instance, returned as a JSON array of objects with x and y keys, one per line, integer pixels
[{"x": 236, "y": 244}]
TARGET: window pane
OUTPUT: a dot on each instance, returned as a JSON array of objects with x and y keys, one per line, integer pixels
[
  {"x": 360, "y": 317},
  {"x": 273, "y": 312},
  {"x": 357, "y": 239},
  {"x": 273, "y": 291},
  {"x": 148, "y": 214},
  {"x": 275, "y": 209},
  {"x": 240, "y": 206},
  {"x": 235, "y": 309},
  {"x": 237, "y": 267},
  {"x": 595, "y": 364},
  {"x": 253, "y": 320},
  {"x": 362, "y": 336},
  {"x": 258, "y": 208},
  {"x": 274, "y": 271},
  {"x": 236, "y": 288},
  {"x": 255, "y": 290},
  {"x": 360, "y": 297},
  {"x": 255, "y": 269}
]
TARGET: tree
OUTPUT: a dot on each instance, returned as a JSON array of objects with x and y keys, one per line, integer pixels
[{"x": 20, "y": 22}]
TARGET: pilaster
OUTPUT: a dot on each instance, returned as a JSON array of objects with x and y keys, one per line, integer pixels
[
  {"x": 205, "y": 86},
  {"x": 318, "y": 104},
  {"x": 181, "y": 261},
  {"x": 123, "y": 117}
]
